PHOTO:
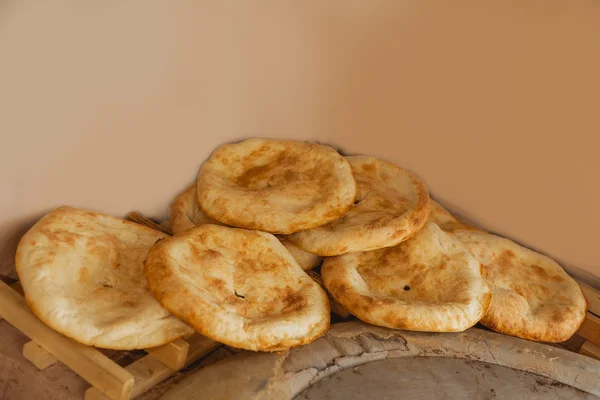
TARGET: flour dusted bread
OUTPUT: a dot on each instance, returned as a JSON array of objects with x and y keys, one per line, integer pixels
[
  {"x": 275, "y": 186},
  {"x": 391, "y": 205},
  {"x": 82, "y": 274},
  {"x": 534, "y": 298},
  {"x": 428, "y": 283},
  {"x": 185, "y": 214},
  {"x": 239, "y": 287}
]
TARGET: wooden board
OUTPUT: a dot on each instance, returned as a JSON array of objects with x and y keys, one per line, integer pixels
[
  {"x": 591, "y": 350},
  {"x": 593, "y": 297},
  {"x": 38, "y": 356},
  {"x": 590, "y": 329},
  {"x": 173, "y": 354}
]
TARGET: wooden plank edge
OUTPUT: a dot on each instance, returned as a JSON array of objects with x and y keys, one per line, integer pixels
[
  {"x": 592, "y": 296},
  {"x": 590, "y": 349},
  {"x": 590, "y": 328},
  {"x": 38, "y": 356},
  {"x": 135, "y": 216},
  {"x": 173, "y": 354}
]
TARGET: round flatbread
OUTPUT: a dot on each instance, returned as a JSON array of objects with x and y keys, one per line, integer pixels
[
  {"x": 391, "y": 205},
  {"x": 534, "y": 298},
  {"x": 305, "y": 260},
  {"x": 428, "y": 283},
  {"x": 82, "y": 275},
  {"x": 445, "y": 220},
  {"x": 185, "y": 214},
  {"x": 275, "y": 186},
  {"x": 238, "y": 287}
]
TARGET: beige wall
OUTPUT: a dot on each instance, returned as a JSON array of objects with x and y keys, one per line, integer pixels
[{"x": 113, "y": 105}]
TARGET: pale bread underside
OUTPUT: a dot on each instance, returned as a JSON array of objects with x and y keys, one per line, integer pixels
[
  {"x": 428, "y": 283},
  {"x": 184, "y": 214},
  {"x": 275, "y": 186},
  {"x": 82, "y": 274},
  {"x": 391, "y": 205},
  {"x": 534, "y": 298},
  {"x": 238, "y": 287}
]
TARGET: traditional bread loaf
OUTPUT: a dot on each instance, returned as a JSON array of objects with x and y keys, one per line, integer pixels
[
  {"x": 239, "y": 287},
  {"x": 82, "y": 274},
  {"x": 391, "y": 205},
  {"x": 428, "y": 283},
  {"x": 185, "y": 214},
  {"x": 275, "y": 186},
  {"x": 534, "y": 298},
  {"x": 445, "y": 220}
]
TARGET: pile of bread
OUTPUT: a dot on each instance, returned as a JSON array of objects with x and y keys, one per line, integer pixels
[{"x": 260, "y": 214}]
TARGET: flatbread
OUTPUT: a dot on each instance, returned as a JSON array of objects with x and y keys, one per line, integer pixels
[
  {"x": 445, "y": 220},
  {"x": 534, "y": 298},
  {"x": 238, "y": 287},
  {"x": 305, "y": 260},
  {"x": 185, "y": 214},
  {"x": 82, "y": 274},
  {"x": 275, "y": 186},
  {"x": 391, "y": 205},
  {"x": 428, "y": 283}
]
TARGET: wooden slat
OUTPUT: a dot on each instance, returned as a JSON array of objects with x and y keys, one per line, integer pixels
[
  {"x": 86, "y": 361},
  {"x": 591, "y": 350},
  {"x": 593, "y": 297},
  {"x": 16, "y": 287},
  {"x": 149, "y": 372},
  {"x": 590, "y": 329},
  {"x": 135, "y": 216},
  {"x": 173, "y": 354},
  {"x": 38, "y": 356}
]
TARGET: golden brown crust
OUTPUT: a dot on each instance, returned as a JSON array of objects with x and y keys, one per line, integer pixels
[
  {"x": 275, "y": 186},
  {"x": 427, "y": 283},
  {"x": 391, "y": 205},
  {"x": 306, "y": 260},
  {"x": 238, "y": 287},
  {"x": 445, "y": 220},
  {"x": 185, "y": 214},
  {"x": 534, "y": 298},
  {"x": 82, "y": 274}
]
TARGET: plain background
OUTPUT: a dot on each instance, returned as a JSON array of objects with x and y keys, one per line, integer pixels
[{"x": 495, "y": 105}]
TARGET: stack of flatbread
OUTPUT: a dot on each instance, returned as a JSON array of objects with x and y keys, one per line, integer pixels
[{"x": 259, "y": 215}]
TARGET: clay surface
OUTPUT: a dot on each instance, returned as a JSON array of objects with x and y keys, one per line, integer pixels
[
  {"x": 347, "y": 346},
  {"x": 421, "y": 378}
]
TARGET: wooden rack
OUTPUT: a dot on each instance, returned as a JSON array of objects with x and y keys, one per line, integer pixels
[
  {"x": 587, "y": 338},
  {"x": 111, "y": 381},
  {"x": 108, "y": 379}
]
